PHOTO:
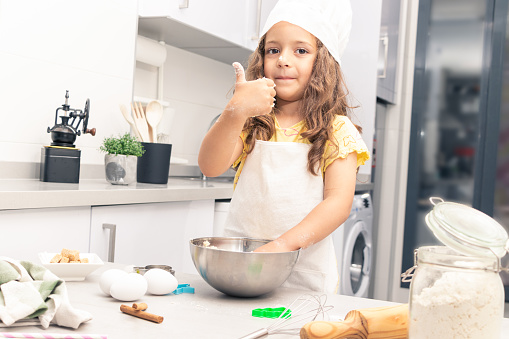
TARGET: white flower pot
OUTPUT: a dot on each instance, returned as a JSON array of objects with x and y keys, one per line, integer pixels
[{"x": 120, "y": 169}]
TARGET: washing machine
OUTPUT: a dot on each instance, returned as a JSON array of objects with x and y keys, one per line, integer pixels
[{"x": 353, "y": 246}]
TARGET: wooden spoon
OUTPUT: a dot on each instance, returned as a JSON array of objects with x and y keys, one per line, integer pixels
[
  {"x": 370, "y": 323},
  {"x": 154, "y": 114},
  {"x": 130, "y": 120}
]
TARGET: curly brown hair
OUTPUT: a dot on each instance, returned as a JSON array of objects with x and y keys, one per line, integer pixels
[{"x": 323, "y": 99}]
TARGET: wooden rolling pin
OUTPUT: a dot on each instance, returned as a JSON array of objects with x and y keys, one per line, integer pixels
[{"x": 389, "y": 322}]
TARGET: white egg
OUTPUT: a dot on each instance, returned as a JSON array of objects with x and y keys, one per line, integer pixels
[
  {"x": 160, "y": 281},
  {"x": 131, "y": 287},
  {"x": 109, "y": 277}
]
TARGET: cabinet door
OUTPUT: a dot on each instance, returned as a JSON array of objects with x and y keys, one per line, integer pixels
[
  {"x": 152, "y": 234},
  {"x": 25, "y": 233},
  {"x": 257, "y": 13},
  {"x": 225, "y": 19},
  {"x": 388, "y": 50},
  {"x": 359, "y": 65}
]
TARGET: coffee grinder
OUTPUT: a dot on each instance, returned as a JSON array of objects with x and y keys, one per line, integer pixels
[{"x": 60, "y": 162}]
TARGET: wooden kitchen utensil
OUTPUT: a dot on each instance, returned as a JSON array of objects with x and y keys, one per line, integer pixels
[
  {"x": 154, "y": 114},
  {"x": 140, "y": 121},
  {"x": 381, "y": 322},
  {"x": 130, "y": 120}
]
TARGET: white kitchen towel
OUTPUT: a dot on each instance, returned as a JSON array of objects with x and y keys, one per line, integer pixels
[{"x": 35, "y": 296}]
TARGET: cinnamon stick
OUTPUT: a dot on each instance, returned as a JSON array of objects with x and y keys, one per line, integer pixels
[
  {"x": 140, "y": 306},
  {"x": 141, "y": 314}
]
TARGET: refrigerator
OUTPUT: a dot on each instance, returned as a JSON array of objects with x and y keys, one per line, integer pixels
[{"x": 459, "y": 143}]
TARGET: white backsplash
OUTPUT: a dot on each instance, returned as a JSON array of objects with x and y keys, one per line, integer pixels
[
  {"x": 88, "y": 48},
  {"x": 46, "y": 48},
  {"x": 197, "y": 88}
]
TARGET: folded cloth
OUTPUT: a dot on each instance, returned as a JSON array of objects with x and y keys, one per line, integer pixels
[{"x": 30, "y": 294}]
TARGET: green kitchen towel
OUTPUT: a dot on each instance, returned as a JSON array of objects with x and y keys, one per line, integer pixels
[
  {"x": 7, "y": 272},
  {"x": 34, "y": 296}
]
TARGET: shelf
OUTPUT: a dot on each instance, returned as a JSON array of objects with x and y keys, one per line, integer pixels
[
  {"x": 183, "y": 36},
  {"x": 180, "y": 161},
  {"x": 144, "y": 100}
]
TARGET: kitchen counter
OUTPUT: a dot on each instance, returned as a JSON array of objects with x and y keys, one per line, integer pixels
[
  {"x": 205, "y": 314},
  {"x": 32, "y": 193}
]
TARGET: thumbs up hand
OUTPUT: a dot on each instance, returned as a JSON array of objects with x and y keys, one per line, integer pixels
[{"x": 252, "y": 97}]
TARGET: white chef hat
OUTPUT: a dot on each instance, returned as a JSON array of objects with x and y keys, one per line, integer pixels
[{"x": 328, "y": 20}]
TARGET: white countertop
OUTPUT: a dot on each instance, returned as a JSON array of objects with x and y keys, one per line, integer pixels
[
  {"x": 33, "y": 193},
  {"x": 205, "y": 314},
  {"x": 20, "y": 188}
]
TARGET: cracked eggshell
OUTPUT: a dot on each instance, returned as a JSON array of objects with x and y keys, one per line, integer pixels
[
  {"x": 160, "y": 281},
  {"x": 132, "y": 287}
]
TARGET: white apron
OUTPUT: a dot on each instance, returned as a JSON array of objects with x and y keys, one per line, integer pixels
[{"x": 274, "y": 193}]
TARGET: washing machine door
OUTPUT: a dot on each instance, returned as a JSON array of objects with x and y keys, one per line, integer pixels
[{"x": 356, "y": 263}]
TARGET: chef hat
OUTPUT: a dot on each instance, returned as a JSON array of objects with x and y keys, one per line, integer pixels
[{"x": 328, "y": 20}]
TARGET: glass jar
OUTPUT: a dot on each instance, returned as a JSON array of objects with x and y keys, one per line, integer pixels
[
  {"x": 456, "y": 290},
  {"x": 455, "y": 296}
]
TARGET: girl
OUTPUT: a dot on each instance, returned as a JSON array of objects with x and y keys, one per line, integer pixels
[{"x": 287, "y": 132}]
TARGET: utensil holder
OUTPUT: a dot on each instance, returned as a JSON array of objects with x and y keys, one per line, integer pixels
[{"x": 154, "y": 164}]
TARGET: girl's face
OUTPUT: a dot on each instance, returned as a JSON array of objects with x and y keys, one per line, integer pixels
[{"x": 290, "y": 53}]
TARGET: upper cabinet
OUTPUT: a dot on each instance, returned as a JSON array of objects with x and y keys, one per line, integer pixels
[
  {"x": 223, "y": 30},
  {"x": 388, "y": 50}
]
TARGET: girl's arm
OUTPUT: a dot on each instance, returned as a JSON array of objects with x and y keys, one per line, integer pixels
[
  {"x": 222, "y": 143},
  {"x": 339, "y": 189}
]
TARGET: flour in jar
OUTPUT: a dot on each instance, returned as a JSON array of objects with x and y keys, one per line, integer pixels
[{"x": 458, "y": 305}]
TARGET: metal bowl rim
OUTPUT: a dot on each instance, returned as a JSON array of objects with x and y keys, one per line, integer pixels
[{"x": 191, "y": 242}]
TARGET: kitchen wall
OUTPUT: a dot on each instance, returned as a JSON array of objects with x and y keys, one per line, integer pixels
[
  {"x": 48, "y": 47},
  {"x": 197, "y": 90},
  {"x": 88, "y": 48}
]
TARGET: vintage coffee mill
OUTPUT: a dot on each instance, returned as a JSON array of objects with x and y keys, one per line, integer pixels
[{"x": 60, "y": 162}]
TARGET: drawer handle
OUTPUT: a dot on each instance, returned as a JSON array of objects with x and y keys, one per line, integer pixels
[
  {"x": 256, "y": 36},
  {"x": 185, "y": 5},
  {"x": 383, "y": 49},
  {"x": 113, "y": 236}
]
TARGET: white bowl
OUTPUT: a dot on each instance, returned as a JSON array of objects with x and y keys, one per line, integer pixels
[{"x": 71, "y": 271}]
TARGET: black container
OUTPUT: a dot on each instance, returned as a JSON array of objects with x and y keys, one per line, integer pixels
[
  {"x": 60, "y": 165},
  {"x": 154, "y": 164}
]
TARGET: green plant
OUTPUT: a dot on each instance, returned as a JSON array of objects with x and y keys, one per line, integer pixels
[{"x": 123, "y": 144}]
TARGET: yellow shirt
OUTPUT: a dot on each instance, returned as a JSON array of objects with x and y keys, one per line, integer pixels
[{"x": 347, "y": 137}]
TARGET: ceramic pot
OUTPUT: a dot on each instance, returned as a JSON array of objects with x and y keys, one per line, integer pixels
[{"x": 120, "y": 169}]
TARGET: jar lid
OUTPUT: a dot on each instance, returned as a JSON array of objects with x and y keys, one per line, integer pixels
[{"x": 467, "y": 230}]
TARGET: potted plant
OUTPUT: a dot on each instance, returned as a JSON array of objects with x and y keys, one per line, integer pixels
[{"x": 121, "y": 158}]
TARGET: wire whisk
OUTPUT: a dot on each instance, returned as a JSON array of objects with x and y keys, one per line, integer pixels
[{"x": 304, "y": 309}]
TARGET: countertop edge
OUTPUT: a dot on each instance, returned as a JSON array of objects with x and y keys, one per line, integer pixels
[
  {"x": 77, "y": 196},
  {"x": 20, "y": 194},
  {"x": 20, "y": 188}
]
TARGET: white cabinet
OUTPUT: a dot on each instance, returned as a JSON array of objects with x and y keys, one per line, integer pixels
[
  {"x": 223, "y": 30},
  {"x": 258, "y": 12},
  {"x": 359, "y": 65},
  {"x": 223, "y": 18},
  {"x": 25, "y": 233},
  {"x": 388, "y": 50},
  {"x": 151, "y": 234}
]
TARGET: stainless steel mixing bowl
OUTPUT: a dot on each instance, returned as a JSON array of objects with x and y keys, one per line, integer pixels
[{"x": 230, "y": 266}]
